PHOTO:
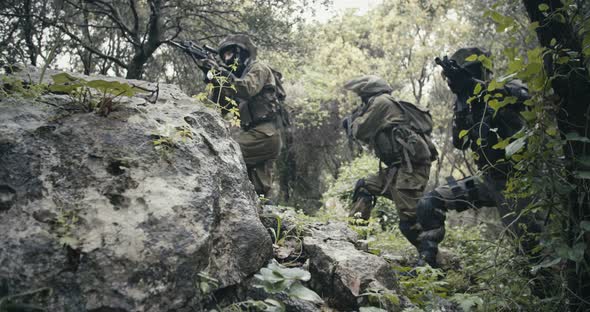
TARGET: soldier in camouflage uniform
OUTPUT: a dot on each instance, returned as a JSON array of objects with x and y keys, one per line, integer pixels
[
  {"x": 484, "y": 127},
  {"x": 257, "y": 95},
  {"x": 382, "y": 123}
]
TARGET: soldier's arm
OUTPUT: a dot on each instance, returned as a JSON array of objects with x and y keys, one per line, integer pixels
[{"x": 253, "y": 82}]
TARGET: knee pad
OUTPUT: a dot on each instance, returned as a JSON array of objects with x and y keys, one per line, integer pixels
[{"x": 430, "y": 211}]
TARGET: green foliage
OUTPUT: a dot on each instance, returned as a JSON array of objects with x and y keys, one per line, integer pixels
[
  {"x": 276, "y": 278},
  {"x": 166, "y": 139},
  {"x": 11, "y": 86},
  {"x": 82, "y": 92},
  {"x": 424, "y": 286},
  {"x": 216, "y": 96},
  {"x": 65, "y": 224},
  {"x": 380, "y": 299}
]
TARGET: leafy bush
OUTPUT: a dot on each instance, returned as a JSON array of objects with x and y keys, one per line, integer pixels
[{"x": 276, "y": 278}]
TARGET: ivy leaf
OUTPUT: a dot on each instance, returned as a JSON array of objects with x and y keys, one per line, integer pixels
[
  {"x": 502, "y": 144},
  {"x": 528, "y": 115},
  {"x": 551, "y": 131},
  {"x": 463, "y": 133},
  {"x": 543, "y": 7},
  {"x": 494, "y": 85},
  {"x": 477, "y": 88}
]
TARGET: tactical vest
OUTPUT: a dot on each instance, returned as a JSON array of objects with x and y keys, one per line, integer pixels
[{"x": 264, "y": 106}]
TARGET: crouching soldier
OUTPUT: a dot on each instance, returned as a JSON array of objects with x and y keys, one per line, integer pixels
[
  {"x": 258, "y": 93},
  {"x": 399, "y": 134},
  {"x": 478, "y": 127}
]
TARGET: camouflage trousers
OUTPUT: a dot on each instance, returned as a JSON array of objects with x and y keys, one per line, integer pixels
[
  {"x": 260, "y": 147},
  {"x": 405, "y": 189}
]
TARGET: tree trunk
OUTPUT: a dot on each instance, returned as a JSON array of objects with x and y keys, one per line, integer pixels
[
  {"x": 154, "y": 39},
  {"x": 572, "y": 84}
]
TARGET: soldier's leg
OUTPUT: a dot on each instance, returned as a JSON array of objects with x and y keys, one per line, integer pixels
[
  {"x": 261, "y": 176},
  {"x": 431, "y": 212},
  {"x": 365, "y": 196},
  {"x": 406, "y": 192},
  {"x": 260, "y": 146}
]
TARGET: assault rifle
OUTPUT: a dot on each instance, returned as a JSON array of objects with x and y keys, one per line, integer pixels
[{"x": 203, "y": 56}]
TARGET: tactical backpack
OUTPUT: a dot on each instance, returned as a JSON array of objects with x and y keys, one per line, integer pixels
[{"x": 419, "y": 119}]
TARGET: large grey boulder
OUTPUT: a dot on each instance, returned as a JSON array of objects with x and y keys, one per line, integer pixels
[
  {"x": 90, "y": 209},
  {"x": 345, "y": 276}
]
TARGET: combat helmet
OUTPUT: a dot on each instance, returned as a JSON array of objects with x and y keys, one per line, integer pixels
[
  {"x": 474, "y": 67},
  {"x": 240, "y": 40},
  {"x": 368, "y": 85}
]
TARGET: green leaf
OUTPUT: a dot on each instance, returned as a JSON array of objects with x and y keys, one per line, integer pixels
[
  {"x": 553, "y": 42},
  {"x": 551, "y": 131},
  {"x": 502, "y": 144},
  {"x": 477, "y": 88},
  {"x": 574, "y": 136},
  {"x": 467, "y": 302},
  {"x": 63, "y": 78},
  {"x": 563, "y": 60},
  {"x": 463, "y": 133},
  {"x": 528, "y": 115},
  {"x": 585, "y": 226},
  {"x": 471, "y": 58},
  {"x": 545, "y": 264},
  {"x": 302, "y": 292},
  {"x": 478, "y": 142},
  {"x": 515, "y": 146},
  {"x": 543, "y": 7},
  {"x": 494, "y": 85},
  {"x": 59, "y": 88}
]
